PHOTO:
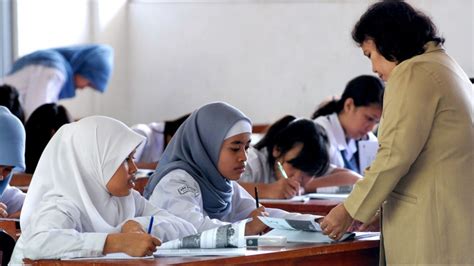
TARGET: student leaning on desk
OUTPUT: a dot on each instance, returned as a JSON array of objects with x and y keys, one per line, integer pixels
[
  {"x": 197, "y": 174},
  {"x": 350, "y": 119},
  {"x": 299, "y": 146},
  {"x": 80, "y": 202},
  {"x": 423, "y": 172}
]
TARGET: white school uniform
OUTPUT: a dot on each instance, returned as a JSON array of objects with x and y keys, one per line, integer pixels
[
  {"x": 68, "y": 210},
  {"x": 61, "y": 231},
  {"x": 337, "y": 139},
  {"x": 180, "y": 194},
  {"x": 152, "y": 148},
  {"x": 36, "y": 85},
  {"x": 13, "y": 198}
]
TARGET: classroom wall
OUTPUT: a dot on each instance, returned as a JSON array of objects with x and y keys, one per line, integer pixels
[{"x": 267, "y": 57}]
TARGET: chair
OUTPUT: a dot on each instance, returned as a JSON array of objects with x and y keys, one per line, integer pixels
[{"x": 7, "y": 243}]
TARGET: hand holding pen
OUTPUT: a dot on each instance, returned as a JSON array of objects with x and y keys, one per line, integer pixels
[
  {"x": 256, "y": 226},
  {"x": 289, "y": 187}
]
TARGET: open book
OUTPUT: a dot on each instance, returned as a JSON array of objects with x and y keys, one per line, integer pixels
[{"x": 306, "y": 231}]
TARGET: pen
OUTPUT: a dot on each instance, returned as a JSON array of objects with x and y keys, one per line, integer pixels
[
  {"x": 151, "y": 224},
  {"x": 282, "y": 171},
  {"x": 256, "y": 197},
  {"x": 256, "y": 202}
]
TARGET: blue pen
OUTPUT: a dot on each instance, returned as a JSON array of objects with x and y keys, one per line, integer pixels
[{"x": 151, "y": 224}]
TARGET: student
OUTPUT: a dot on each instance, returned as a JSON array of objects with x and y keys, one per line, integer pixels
[
  {"x": 81, "y": 201},
  {"x": 423, "y": 171},
  {"x": 40, "y": 128},
  {"x": 46, "y": 76},
  {"x": 12, "y": 150},
  {"x": 300, "y": 146},
  {"x": 196, "y": 177},
  {"x": 350, "y": 119},
  {"x": 157, "y": 136},
  {"x": 9, "y": 98}
]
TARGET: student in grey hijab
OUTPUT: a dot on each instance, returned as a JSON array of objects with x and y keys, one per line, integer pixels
[{"x": 195, "y": 179}]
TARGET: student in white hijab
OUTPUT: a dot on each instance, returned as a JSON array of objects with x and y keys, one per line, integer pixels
[
  {"x": 81, "y": 203},
  {"x": 197, "y": 174}
]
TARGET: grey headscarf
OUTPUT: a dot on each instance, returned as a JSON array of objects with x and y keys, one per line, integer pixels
[{"x": 195, "y": 148}]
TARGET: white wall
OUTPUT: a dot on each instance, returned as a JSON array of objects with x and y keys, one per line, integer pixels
[{"x": 267, "y": 57}]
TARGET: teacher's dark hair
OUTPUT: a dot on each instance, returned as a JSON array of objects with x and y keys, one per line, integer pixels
[{"x": 398, "y": 30}]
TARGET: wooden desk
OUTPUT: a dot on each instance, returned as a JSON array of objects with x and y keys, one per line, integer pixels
[
  {"x": 21, "y": 180},
  {"x": 313, "y": 206},
  {"x": 357, "y": 252}
]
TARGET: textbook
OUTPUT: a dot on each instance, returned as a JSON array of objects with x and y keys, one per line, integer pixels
[{"x": 301, "y": 231}]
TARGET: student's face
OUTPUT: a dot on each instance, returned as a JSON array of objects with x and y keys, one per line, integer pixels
[
  {"x": 81, "y": 82},
  {"x": 5, "y": 170},
  {"x": 360, "y": 120},
  {"x": 380, "y": 65},
  {"x": 123, "y": 179},
  {"x": 290, "y": 170},
  {"x": 233, "y": 156}
]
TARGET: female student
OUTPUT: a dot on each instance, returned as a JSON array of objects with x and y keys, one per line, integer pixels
[
  {"x": 422, "y": 173},
  {"x": 196, "y": 177},
  {"x": 300, "y": 147},
  {"x": 12, "y": 149},
  {"x": 47, "y": 76},
  {"x": 81, "y": 201},
  {"x": 40, "y": 128},
  {"x": 350, "y": 119}
]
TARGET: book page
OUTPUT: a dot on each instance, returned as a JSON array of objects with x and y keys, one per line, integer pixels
[{"x": 227, "y": 236}]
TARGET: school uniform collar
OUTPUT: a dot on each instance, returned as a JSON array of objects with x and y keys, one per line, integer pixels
[{"x": 349, "y": 147}]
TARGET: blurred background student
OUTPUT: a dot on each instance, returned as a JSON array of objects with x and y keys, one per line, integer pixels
[
  {"x": 12, "y": 150},
  {"x": 46, "y": 76},
  {"x": 350, "y": 119},
  {"x": 157, "y": 136},
  {"x": 10, "y": 98},
  {"x": 300, "y": 146},
  {"x": 40, "y": 128}
]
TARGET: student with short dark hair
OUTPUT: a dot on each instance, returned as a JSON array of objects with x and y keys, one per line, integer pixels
[
  {"x": 422, "y": 176},
  {"x": 10, "y": 98},
  {"x": 350, "y": 119},
  {"x": 40, "y": 128},
  {"x": 301, "y": 148}
]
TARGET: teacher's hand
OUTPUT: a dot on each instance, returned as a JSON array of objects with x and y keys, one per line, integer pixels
[{"x": 336, "y": 223}]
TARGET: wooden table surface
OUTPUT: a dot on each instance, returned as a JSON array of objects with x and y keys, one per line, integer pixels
[{"x": 355, "y": 252}]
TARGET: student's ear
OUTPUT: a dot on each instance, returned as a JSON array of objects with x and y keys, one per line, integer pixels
[
  {"x": 349, "y": 105},
  {"x": 276, "y": 152}
]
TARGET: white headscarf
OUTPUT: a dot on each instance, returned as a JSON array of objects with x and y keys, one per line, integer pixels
[{"x": 75, "y": 168}]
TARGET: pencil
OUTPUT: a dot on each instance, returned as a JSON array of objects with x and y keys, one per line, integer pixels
[
  {"x": 257, "y": 204},
  {"x": 282, "y": 171}
]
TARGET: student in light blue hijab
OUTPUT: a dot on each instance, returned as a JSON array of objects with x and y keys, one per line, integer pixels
[
  {"x": 12, "y": 152},
  {"x": 46, "y": 76},
  {"x": 196, "y": 176}
]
